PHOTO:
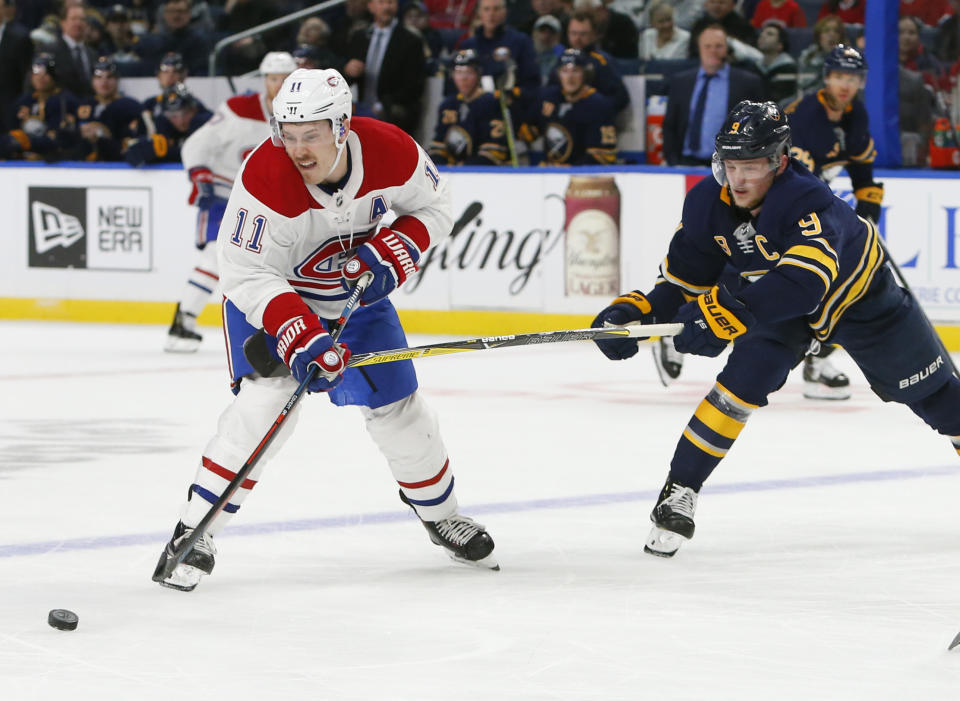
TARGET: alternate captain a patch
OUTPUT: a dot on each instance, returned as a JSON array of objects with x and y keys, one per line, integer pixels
[{"x": 377, "y": 208}]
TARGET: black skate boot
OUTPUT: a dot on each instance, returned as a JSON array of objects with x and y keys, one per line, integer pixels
[
  {"x": 668, "y": 361},
  {"x": 672, "y": 520},
  {"x": 198, "y": 562},
  {"x": 464, "y": 539},
  {"x": 821, "y": 380},
  {"x": 182, "y": 336}
]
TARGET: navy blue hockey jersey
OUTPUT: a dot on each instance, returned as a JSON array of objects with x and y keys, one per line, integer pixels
[
  {"x": 807, "y": 254},
  {"x": 120, "y": 120},
  {"x": 470, "y": 131},
  {"x": 579, "y": 131}
]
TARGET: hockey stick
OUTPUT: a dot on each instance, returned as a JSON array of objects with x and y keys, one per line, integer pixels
[
  {"x": 187, "y": 545},
  {"x": 507, "y": 81},
  {"x": 523, "y": 339}
]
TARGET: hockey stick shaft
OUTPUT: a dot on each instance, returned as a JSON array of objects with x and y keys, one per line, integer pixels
[
  {"x": 525, "y": 339},
  {"x": 187, "y": 545}
]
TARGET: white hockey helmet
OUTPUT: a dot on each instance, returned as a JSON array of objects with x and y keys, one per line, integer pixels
[{"x": 278, "y": 62}]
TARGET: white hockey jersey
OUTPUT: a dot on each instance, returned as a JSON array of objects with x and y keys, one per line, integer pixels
[
  {"x": 237, "y": 127},
  {"x": 280, "y": 234}
]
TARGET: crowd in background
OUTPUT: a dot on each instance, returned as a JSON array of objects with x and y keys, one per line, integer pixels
[{"x": 60, "y": 61}]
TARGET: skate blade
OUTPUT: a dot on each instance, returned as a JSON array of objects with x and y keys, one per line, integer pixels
[
  {"x": 487, "y": 563},
  {"x": 663, "y": 543},
  {"x": 184, "y": 578},
  {"x": 175, "y": 344},
  {"x": 816, "y": 390}
]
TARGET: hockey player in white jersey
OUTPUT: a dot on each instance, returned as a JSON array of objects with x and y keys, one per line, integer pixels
[
  {"x": 305, "y": 209},
  {"x": 212, "y": 157}
]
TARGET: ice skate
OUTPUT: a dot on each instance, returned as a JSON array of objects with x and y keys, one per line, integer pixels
[
  {"x": 182, "y": 336},
  {"x": 672, "y": 520},
  {"x": 822, "y": 380},
  {"x": 464, "y": 539},
  {"x": 197, "y": 563},
  {"x": 668, "y": 361}
]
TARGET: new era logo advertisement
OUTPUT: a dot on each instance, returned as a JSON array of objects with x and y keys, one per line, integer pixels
[{"x": 99, "y": 228}]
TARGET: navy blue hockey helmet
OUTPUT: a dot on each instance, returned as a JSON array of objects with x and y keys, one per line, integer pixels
[
  {"x": 844, "y": 59},
  {"x": 45, "y": 62},
  {"x": 177, "y": 97},
  {"x": 171, "y": 61},
  {"x": 751, "y": 130},
  {"x": 105, "y": 66},
  {"x": 468, "y": 58},
  {"x": 574, "y": 57}
]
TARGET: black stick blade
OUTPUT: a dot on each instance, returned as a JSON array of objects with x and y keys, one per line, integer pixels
[{"x": 956, "y": 641}]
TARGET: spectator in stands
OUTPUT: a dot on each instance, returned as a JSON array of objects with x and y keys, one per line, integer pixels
[
  {"x": 724, "y": 13},
  {"x": 131, "y": 53},
  {"x": 576, "y": 121},
  {"x": 930, "y": 12},
  {"x": 355, "y": 19},
  {"x": 634, "y": 9},
  {"x": 451, "y": 14},
  {"x": 470, "y": 127},
  {"x": 46, "y": 116},
  {"x": 244, "y": 55},
  {"x": 685, "y": 12},
  {"x": 106, "y": 120},
  {"x": 544, "y": 8},
  {"x": 946, "y": 45},
  {"x": 915, "y": 57},
  {"x": 582, "y": 34},
  {"x": 16, "y": 51},
  {"x": 828, "y": 33},
  {"x": 546, "y": 43},
  {"x": 698, "y": 100},
  {"x": 179, "y": 37},
  {"x": 663, "y": 39},
  {"x": 786, "y": 12},
  {"x": 849, "y": 11},
  {"x": 313, "y": 50},
  {"x": 492, "y": 34},
  {"x": 74, "y": 59},
  {"x": 182, "y": 115},
  {"x": 170, "y": 72},
  {"x": 778, "y": 68},
  {"x": 386, "y": 63},
  {"x": 916, "y": 118},
  {"x": 616, "y": 33},
  {"x": 416, "y": 18}
]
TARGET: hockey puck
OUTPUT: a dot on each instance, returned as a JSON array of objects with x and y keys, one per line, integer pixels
[{"x": 61, "y": 619}]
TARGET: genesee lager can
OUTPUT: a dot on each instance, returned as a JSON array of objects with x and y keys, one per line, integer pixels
[{"x": 592, "y": 239}]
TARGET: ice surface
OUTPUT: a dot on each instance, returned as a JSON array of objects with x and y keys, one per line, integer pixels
[{"x": 825, "y": 564}]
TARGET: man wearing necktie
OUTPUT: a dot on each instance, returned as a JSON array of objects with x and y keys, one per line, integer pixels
[
  {"x": 386, "y": 67},
  {"x": 699, "y": 99},
  {"x": 74, "y": 58}
]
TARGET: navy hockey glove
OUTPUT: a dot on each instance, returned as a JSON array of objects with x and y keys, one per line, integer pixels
[
  {"x": 389, "y": 259},
  {"x": 869, "y": 200},
  {"x": 303, "y": 342},
  {"x": 626, "y": 308},
  {"x": 203, "y": 193},
  {"x": 710, "y": 322}
]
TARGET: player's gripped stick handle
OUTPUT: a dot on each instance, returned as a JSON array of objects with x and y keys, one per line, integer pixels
[
  {"x": 523, "y": 339},
  {"x": 187, "y": 545}
]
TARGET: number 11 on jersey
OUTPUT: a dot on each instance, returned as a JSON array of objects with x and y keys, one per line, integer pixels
[{"x": 259, "y": 223}]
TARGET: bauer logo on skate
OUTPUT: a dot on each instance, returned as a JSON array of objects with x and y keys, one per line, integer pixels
[{"x": 923, "y": 374}]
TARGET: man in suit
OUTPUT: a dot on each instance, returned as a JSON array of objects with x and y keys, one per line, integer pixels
[
  {"x": 698, "y": 100},
  {"x": 388, "y": 65},
  {"x": 74, "y": 59},
  {"x": 16, "y": 52}
]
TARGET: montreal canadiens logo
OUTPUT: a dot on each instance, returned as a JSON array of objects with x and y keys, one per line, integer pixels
[
  {"x": 332, "y": 81},
  {"x": 352, "y": 266}
]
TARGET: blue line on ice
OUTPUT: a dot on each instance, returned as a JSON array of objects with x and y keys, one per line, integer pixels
[{"x": 312, "y": 524}]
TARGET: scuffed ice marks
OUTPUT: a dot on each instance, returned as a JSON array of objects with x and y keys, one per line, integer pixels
[{"x": 37, "y": 442}]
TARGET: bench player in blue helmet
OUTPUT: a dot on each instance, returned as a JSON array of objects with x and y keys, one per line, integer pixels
[
  {"x": 831, "y": 132},
  {"x": 809, "y": 269}
]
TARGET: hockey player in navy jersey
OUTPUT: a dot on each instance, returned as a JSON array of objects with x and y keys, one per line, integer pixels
[
  {"x": 212, "y": 156},
  {"x": 809, "y": 269},
  {"x": 831, "y": 132},
  {"x": 470, "y": 129},
  {"x": 108, "y": 120},
  {"x": 302, "y": 226},
  {"x": 182, "y": 115},
  {"x": 576, "y": 121}
]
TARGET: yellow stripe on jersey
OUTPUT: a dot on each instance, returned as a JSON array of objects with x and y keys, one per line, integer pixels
[
  {"x": 814, "y": 254},
  {"x": 688, "y": 286},
  {"x": 812, "y": 268},
  {"x": 868, "y": 156},
  {"x": 854, "y": 287},
  {"x": 716, "y": 420}
]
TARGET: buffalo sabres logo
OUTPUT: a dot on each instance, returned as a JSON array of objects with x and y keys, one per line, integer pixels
[
  {"x": 744, "y": 235},
  {"x": 558, "y": 143}
]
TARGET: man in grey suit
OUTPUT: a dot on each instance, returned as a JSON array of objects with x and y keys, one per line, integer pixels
[
  {"x": 699, "y": 99},
  {"x": 74, "y": 59}
]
